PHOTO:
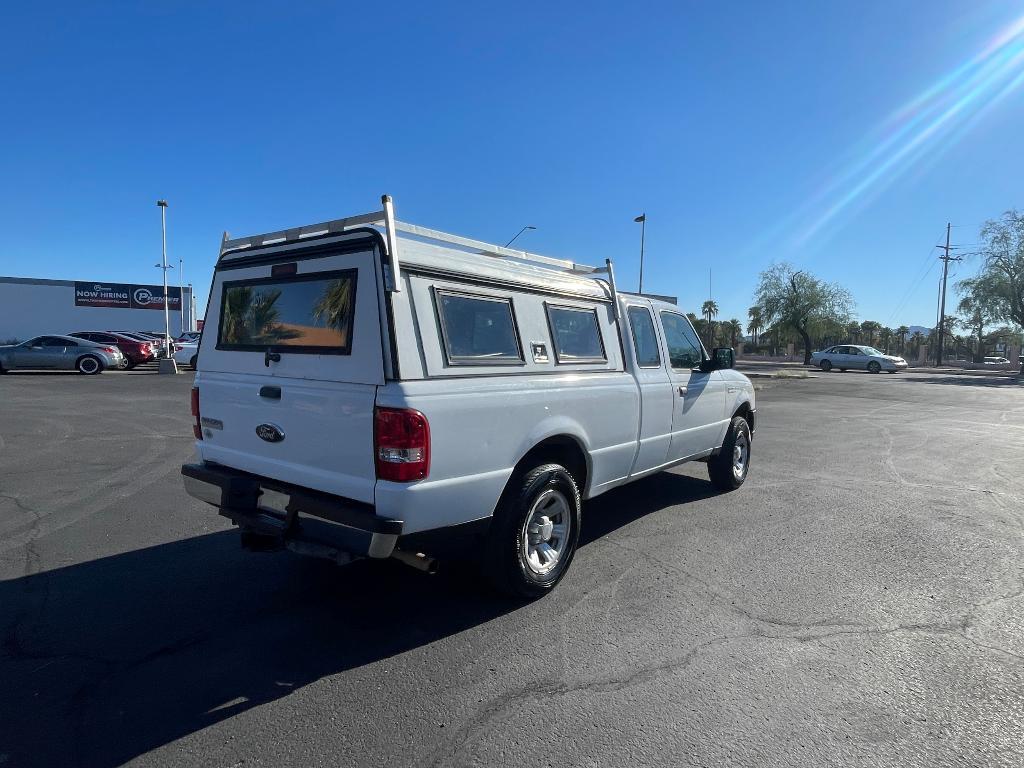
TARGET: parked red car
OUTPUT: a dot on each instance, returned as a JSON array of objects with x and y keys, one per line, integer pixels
[{"x": 134, "y": 351}]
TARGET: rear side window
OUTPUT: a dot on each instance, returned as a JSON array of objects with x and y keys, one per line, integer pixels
[
  {"x": 683, "y": 347},
  {"x": 478, "y": 330},
  {"x": 309, "y": 313},
  {"x": 576, "y": 335},
  {"x": 645, "y": 340}
]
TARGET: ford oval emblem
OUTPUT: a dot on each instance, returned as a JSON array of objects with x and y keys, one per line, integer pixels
[{"x": 270, "y": 432}]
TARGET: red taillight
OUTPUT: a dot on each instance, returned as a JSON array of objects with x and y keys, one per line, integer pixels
[
  {"x": 109, "y": 350},
  {"x": 197, "y": 430},
  {"x": 401, "y": 444},
  {"x": 146, "y": 349}
]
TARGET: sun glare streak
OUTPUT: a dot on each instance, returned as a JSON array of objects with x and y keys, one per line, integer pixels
[
  {"x": 916, "y": 145},
  {"x": 912, "y": 136}
]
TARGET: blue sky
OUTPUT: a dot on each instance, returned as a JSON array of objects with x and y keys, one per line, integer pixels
[{"x": 747, "y": 131}]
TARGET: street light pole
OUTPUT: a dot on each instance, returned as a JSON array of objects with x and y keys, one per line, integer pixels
[
  {"x": 518, "y": 234},
  {"x": 642, "y": 219},
  {"x": 167, "y": 310}
]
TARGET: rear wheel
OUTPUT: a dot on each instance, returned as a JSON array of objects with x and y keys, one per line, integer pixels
[
  {"x": 826, "y": 366},
  {"x": 124, "y": 365},
  {"x": 729, "y": 468},
  {"x": 874, "y": 367},
  {"x": 533, "y": 536},
  {"x": 89, "y": 365}
]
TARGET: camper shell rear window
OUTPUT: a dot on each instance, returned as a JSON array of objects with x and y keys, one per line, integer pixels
[{"x": 308, "y": 313}]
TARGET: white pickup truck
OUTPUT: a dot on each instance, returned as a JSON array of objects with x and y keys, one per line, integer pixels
[{"x": 368, "y": 387}]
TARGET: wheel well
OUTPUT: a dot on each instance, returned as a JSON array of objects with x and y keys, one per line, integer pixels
[
  {"x": 745, "y": 411},
  {"x": 560, "y": 449}
]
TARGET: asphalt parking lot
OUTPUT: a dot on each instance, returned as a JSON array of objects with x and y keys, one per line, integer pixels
[{"x": 858, "y": 602}]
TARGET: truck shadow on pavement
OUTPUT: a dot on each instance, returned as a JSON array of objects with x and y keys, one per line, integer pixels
[{"x": 107, "y": 660}]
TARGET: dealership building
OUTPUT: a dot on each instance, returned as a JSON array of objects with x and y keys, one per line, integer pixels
[{"x": 31, "y": 307}]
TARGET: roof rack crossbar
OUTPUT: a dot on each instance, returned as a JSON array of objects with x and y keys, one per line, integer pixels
[
  {"x": 385, "y": 219},
  {"x": 299, "y": 233},
  {"x": 496, "y": 251}
]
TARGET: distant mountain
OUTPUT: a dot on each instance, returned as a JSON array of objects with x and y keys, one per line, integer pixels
[{"x": 915, "y": 328}]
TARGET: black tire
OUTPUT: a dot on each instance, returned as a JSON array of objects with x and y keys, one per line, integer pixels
[
  {"x": 131, "y": 365},
  {"x": 874, "y": 367},
  {"x": 826, "y": 365},
  {"x": 722, "y": 467},
  {"x": 124, "y": 365},
  {"x": 90, "y": 365},
  {"x": 194, "y": 362},
  {"x": 508, "y": 565},
  {"x": 842, "y": 370},
  {"x": 2, "y": 370}
]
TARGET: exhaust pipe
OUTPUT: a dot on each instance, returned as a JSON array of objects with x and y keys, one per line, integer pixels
[{"x": 416, "y": 560}]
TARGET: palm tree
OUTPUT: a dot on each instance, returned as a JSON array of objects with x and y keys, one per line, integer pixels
[
  {"x": 885, "y": 336},
  {"x": 735, "y": 329},
  {"x": 710, "y": 310},
  {"x": 335, "y": 304},
  {"x": 916, "y": 340},
  {"x": 870, "y": 329},
  {"x": 902, "y": 332},
  {"x": 755, "y": 322}
]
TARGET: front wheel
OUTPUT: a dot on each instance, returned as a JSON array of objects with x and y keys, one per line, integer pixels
[
  {"x": 534, "y": 532},
  {"x": 874, "y": 367},
  {"x": 826, "y": 366},
  {"x": 89, "y": 365},
  {"x": 729, "y": 468}
]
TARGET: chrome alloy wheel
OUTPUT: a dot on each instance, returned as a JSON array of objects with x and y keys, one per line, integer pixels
[
  {"x": 740, "y": 455},
  {"x": 545, "y": 536}
]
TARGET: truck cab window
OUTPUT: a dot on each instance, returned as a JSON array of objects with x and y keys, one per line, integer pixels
[
  {"x": 684, "y": 349},
  {"x": 645, "y": 340}
]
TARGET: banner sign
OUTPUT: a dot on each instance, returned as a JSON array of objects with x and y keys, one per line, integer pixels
[{"x": 126, "y": 296}]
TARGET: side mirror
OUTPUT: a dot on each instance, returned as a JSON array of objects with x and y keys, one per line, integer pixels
[{"x": 721, "y": 357}]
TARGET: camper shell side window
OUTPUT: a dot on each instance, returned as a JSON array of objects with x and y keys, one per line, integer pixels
[
  {"x": 575, "y": 334},
  {"x": 478, "y": 330}
]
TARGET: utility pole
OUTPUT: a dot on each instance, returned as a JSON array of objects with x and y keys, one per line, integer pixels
[{"x": 946, "y": 258}]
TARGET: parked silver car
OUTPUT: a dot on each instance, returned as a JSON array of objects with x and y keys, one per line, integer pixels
[
  {"x": 844, "y": 356},
  {"x": 61, "y": 353}
]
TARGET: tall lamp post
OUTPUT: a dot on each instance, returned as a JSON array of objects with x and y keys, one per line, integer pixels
[
  {"x": 518, "y": 234},
  {"x": 642, "y": 221},
  {"x": 167, "y": 310}
]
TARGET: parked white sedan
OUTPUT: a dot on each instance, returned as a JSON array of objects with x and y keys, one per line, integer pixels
[
  {"x": 846, "y": 356},
  {"x": 186, "y": 353}
]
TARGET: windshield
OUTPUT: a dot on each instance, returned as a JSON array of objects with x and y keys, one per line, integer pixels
[{"x": 872, "y": 351}]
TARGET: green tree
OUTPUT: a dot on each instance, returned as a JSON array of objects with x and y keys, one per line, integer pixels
[
  {"x": 916, "y": 340},
  {"x": 902, "y": 332},
  {"x": 885, "y": 337},
  {"x": 755, "y": 322},
  {"x": 853, "y": 331},
  {"x": 869, "y": 331},
  {"x": 801, "y": 302},
  {"x": 979, "y": 307},
  {"x": 1002, "y": 269},
  {"x": 734, "y": 328},
  {"x": 710, "y": 311}
]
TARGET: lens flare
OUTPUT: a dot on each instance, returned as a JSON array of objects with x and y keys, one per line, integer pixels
[{"x": 915, "y": 134}]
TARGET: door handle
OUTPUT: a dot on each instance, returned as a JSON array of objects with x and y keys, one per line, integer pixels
[{"x": 682, "y": 390}]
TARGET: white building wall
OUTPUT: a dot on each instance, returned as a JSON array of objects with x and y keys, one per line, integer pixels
[{"x": 30, "y": 307}]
